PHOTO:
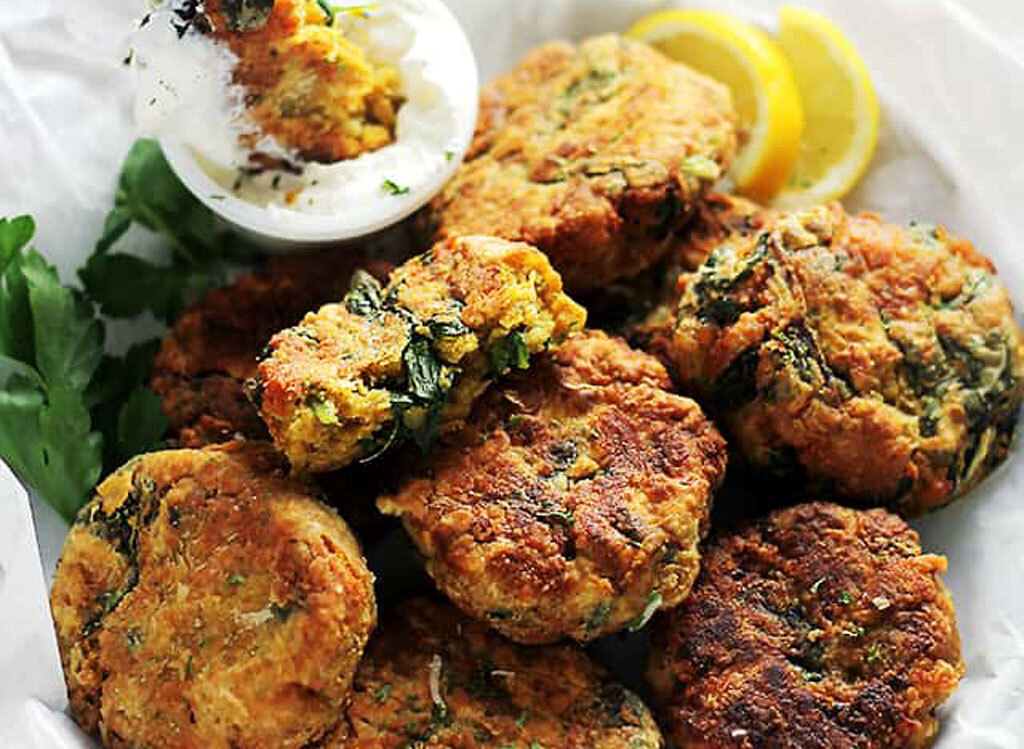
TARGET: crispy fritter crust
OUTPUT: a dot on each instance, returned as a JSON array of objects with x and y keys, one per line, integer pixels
[
  {"x": 203, "y": 599},
  {"x": 307, "y": 85},
  {"x": 867, "y": 361},
  {"x": 214, "y": 347},
  {"x": 816, "y": 626},
  {"x": 355, "y": 378},
  {"x": 573, "y": 502},
  {"x": 720, "y": 219},
  {"x": 596, "y": 154},
  {"x": 491, "y": 693}
]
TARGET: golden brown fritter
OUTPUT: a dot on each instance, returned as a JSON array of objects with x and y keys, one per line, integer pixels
[
  {"x": 203, "y": 599},
  {"x": 866, "y": 361},
  {"x": 816, "y": 626},
  {"x": 596, "y": 154},
  {"x": 306, "y": 83},
  {"x": 720, "y": 219},
  {"x": 486, "y": 692},
  {"x": 572, "y": 503},
  {"x": 409, "y": 360},
  {"x": 214, "y": 346}
]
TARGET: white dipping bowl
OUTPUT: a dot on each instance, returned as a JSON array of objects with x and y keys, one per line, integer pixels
[{"x": 451, "y": 64}]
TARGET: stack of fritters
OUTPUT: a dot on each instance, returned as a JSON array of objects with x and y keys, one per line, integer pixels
[{"x": 554, "y": 484}]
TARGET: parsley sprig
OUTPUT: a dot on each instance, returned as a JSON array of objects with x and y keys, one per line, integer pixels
[
  {"x": 199, "y": 249},
  {"x": 64, "y": 404}
]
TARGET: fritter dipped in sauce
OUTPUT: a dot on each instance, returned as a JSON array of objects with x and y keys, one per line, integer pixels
[{"x": 307, "y": 84}]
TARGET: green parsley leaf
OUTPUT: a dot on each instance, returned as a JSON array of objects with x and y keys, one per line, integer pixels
[
  {"x": 52, "y": 347},
  {"x": 125, "y": 286},
  {"x": 67, "y": 412},
  {"x": 68, "y": 337},
  {"x": 15, "y": 233},
  {"x": 150, "y": 194},
  {"x": 141, "y": 424}
]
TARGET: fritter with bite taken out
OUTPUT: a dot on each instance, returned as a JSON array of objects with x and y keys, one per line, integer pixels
[
  {"x": 205, "y": 600},
  {"x": 596, "y": 154},
  {"x": 431, "y": 677},
  {"x": 214, "y": 347},
  {"x": 864, "y": 361},
  {"x": 816, "y": 626},
  {"x": 573, "y": 501},
  {"x": 354, "y": 379}
]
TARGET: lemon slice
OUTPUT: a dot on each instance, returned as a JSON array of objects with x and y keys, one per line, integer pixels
[
  {"x": 761, "y": 81},
  {"x": 840, "y": 107}
]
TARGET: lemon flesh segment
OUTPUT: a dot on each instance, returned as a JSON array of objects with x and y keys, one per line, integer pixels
[
  {"x": 758, "y": 75},
  {"x": 840, "y": 108}
]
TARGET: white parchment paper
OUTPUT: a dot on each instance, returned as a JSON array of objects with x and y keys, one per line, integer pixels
[{"x": 951, "y": 75}]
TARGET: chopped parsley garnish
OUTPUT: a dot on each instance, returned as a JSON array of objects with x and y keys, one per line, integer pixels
[
  {"x": 599, "y": 616},
  {"x": 383, "y": 693},
  {"x": 845, "y": 598},
  {"x": 853, "y": 631},
  {"x": 551, "y": 511},
  {"x": 236, "y": 579},
  {"x": 393, "y": 188},
  {"x": 649, "y": 611}
]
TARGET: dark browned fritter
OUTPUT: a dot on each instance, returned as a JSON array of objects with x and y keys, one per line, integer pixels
[
  {"x": 213, "y": 348},
  {"x": 816, "y": 626},
  {"x": 573, "y": 501},
  {"x": 487, "y": 693},
  {"x": 205, "y": 600},
  {"x": 861, "y": 360},
  {"x": 597, "y": 154}
]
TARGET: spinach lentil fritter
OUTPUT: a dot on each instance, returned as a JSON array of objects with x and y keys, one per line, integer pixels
[
  {"x": 407, "y": 361},
  {"x": 573, "y": 501},
  {"x": 214, "y": 347},
  {"x": 870, "y": 362},
  {"x": 720, "y": 218},
  {"x": 203, "y": 599},
  {"x": 816, "y": 626},
  {"x": 307, "y": 84},
  {"x": 432, "y": 677},
  {"x": 596, "y": 154}
]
